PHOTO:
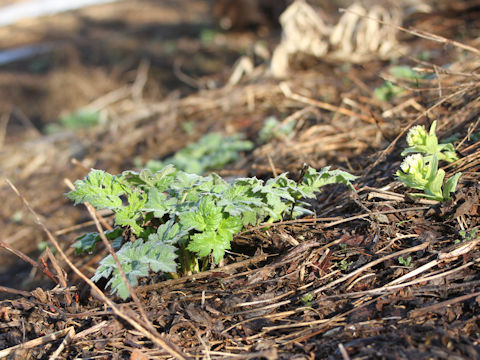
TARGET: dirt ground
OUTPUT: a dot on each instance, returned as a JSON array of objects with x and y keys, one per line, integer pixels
[{"x": 327, "y": 286}]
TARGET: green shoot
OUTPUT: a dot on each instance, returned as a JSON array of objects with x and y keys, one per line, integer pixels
[
  {"x": 467, "y": 235},
  {"x": 418, "y": 174},
  {"x": 272, "y": 128},
  {"x": 422, "y": 172},
  {"x": 407, "y": 262},
  {"x": 344, "y": 265},
  {"x": 419, "y": 141},
  {"x": 388, "y": 90},
  {"x": 307, "y": 299}
]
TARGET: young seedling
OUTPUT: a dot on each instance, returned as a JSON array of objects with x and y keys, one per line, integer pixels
[
  {"x": 467, "y": 235},
  {"x": 421, "y": 141},
  {"x": 307, "y": 299},
  {"x": 180, "y": 219},
  {"x": 422, "y": 172},
  {"x": 405, "y": 262},
  {"x": 418, "y": 174},
  {"x": 344, "y": 264}
]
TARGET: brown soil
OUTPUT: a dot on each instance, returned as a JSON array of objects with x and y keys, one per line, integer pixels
[{"x": 326, "y": 286}]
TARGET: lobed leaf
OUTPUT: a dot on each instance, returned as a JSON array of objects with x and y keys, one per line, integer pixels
[{"x": 100, "y": 189}]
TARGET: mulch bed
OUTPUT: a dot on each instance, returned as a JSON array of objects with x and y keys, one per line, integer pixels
[{"x": 324, "y": 286}]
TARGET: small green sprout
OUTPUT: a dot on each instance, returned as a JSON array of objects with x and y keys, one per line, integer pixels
[
  {"x": 307, "y": 299},
  {"x": 387, "y": 91},
  {"x": 422, "y": 172},
  {"x": 405, "y": 262},
  {"x": 419, "y": 141},
  {"x": 467, "y": 235},
  {"x": 344, "y": 264},
  {"x": 418, "y": 174},
  {"x": 80, "y": 119},
  {"x": 272, "y": 128}
]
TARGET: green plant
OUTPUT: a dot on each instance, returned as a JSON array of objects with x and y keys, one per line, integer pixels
[
  {"x": 418, "y": 174},
  {"x": 80, "y": 119},
  {"x": 467, "y": 235},
  {"x": 180, "y": 217},
  {"x": 307, "y": 299},
  {"x": 211, "y": 152},
  {"x": 272, "y": 128},
  {"x": 422, "y": 172},
  {"x": 388, "y": 90},
  {"x": 344, "y": 264},
  {"x": 405, "y": 262},
  {"x": 421, "y": 141},
  {"x": 77, "y": 120}
]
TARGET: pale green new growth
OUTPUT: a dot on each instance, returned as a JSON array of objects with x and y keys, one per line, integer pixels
[
  {"x": 174, "y": 214},
  {"x": 422, "y": 172},
  {"x": 419, "y": 141}
]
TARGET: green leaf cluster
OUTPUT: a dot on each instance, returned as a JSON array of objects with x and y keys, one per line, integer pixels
[
  {"x": 272, "y": 128},
  {"x": 212, "y": 151},
  {"x": 389, "y": 90},
  {"x": 421, "y": 172},
  {"x": 174, "y": 214},
  {"x": 421, "y": 141}
]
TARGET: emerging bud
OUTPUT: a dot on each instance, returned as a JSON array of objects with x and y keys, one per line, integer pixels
[
  {"x": 417, "y": 135},
  {"x": 413, "y": 164}
]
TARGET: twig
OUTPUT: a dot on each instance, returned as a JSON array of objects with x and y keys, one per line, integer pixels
[
  {"x": 28, "y": 259},
  {"x": 60, "y": 274},
  {"x": 66, "y": 340},
  {"x": 93, "y": 329},
  {"x": 35, "y": 342},
  {"x": 420, "y": 33},
  {"x": 333, "y": 223},
  {"x": 343, "y": 351},
  {"x": 204, "y": 274},
  {"x": 141, "y": 79},
  {"x": 371, "y": 264},
  {"x": 8, "y": 290},
  {"x": 441, "y": 305}
]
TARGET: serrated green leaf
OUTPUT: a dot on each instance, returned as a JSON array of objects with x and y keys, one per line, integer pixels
[
  {"x": 100, "y": 189},
  {"x": 86, "y": 243},
  {"x": 206, "y": 218},
  {"x": 230, "y": 226},
  {"x": 169, "y": 233},
  {"x": 210, "y": 242},
  {"x": 160, "y": 179},
  {"x": 158, "y": 203},
  {"x": 314, "y": 180},
  {"x": 136, "y": 258},
  {"x": 130, "y": 214},
  {"x": 212, "y": 151}
]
